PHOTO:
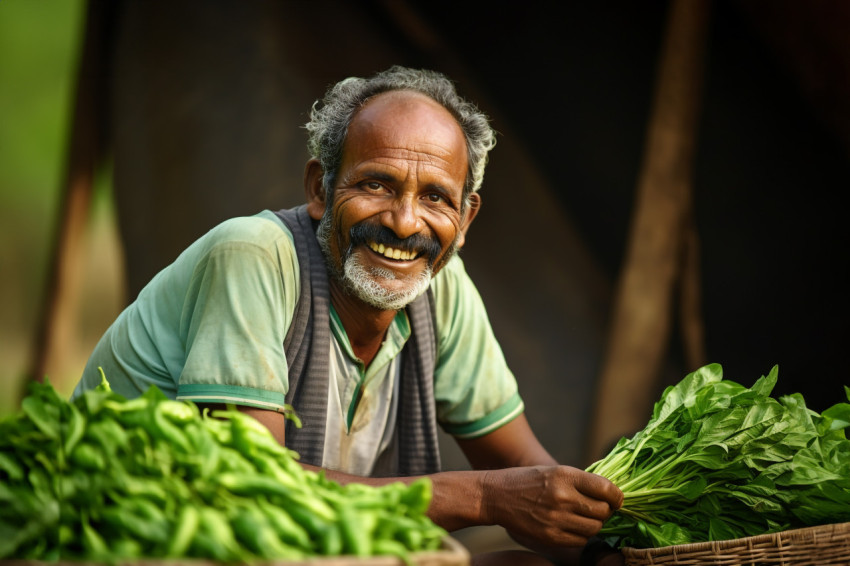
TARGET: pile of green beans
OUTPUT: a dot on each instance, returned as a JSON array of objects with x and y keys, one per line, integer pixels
[{"x": 103, "y": 478}]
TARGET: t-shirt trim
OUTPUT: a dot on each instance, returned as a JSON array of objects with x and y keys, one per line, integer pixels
[
  {"x": 215, "y": 393},
  {"x": 510, "y": 410}
]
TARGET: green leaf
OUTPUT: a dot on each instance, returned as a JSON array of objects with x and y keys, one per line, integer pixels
[
  {"x": 73, "y": 429},
  {"x": 11, "y": 466},
  {"x": 718, "y": 529},
  {"x": 837, "y": 417},
  {"x": 43, "y": 415},
  {"x": 807, "y": 469},
  {"x": 719, "y": 460},
  {"x": 668, "y": 534},
  {"x": 684, "y": 393},
  {"x": 764, "y": 385}
]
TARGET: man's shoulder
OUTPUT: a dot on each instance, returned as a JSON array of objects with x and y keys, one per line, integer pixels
[
  {"x": 262, "y": 229},
  {"x": 455, "y": 295},
  {"x": 450, "y": 276},
  {"x": 238, "y": 239}
]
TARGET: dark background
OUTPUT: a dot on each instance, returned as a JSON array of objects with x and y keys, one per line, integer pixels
[{"x": 771, "y": 168}]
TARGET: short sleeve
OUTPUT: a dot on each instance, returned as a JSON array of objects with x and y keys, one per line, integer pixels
[
  {"x": 475, "y": 390},
  {"x": 237, "y": 310}
]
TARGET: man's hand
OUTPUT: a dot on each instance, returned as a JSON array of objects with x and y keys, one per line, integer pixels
[
  {"x": 544, "y": 507},
  {"x": 539, "y": 502}
]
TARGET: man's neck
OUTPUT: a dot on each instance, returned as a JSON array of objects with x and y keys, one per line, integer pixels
[{"x": 365, "y": 325}]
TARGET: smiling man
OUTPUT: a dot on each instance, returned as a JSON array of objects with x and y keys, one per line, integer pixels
[{"x": 356, "y": 309}]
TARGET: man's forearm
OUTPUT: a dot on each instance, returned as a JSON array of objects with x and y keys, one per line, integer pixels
[{"x": 456, "y": 501}]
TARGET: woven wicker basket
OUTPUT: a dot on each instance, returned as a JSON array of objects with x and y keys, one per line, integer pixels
[{"x": 811, "y": 546}]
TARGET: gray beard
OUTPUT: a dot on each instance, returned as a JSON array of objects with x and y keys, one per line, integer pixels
[{"x": 365, "y": 282}]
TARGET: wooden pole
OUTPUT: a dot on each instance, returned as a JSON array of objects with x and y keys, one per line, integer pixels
[
  {"x": 85, "y": 151},
  {"x": 644, "y": 298}
]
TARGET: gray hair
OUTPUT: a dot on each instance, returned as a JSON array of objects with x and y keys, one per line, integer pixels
[{"x": 330, "y": 118}]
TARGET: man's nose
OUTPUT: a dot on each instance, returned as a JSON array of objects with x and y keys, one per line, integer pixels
[{"x": 403, "y": 217}]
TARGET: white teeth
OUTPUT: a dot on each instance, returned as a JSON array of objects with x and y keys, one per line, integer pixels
[{"x": 391, "y": 253}]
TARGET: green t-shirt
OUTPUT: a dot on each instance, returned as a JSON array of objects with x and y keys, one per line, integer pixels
[{"x": 210, "y": 328}]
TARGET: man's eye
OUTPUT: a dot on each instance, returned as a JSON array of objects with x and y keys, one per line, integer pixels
[
  {"x": 373, "y": 186},
  {"x": 435, "y": 197}
]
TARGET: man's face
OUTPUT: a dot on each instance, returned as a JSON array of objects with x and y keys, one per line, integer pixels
[{"x": 396, "y": 216}]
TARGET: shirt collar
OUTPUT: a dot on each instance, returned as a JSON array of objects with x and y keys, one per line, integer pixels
[{"x": 397, "y": 335}]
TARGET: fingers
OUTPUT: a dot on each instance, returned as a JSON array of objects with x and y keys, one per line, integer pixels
[
  {"x": 579, "y": 528},
  {"x": 549, "y": 543},
  {"x": 581, "y": 506},
  {"x": 575, "y": 535},
  {"x": 557, "y": 505},
  {"x": 586, "y": 494},
  {"x": 598, "y": 488}
]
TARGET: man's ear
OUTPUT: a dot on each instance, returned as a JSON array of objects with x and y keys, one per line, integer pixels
[
  {"x": 314, "y": 189},
  {"x": 472, "y": 208}
]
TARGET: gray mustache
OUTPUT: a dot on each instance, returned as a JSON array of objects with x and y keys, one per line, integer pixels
[{"x": 364, "y": 232}]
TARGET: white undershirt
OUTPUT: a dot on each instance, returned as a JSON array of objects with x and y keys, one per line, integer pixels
[{"x": 356, "y": 450}]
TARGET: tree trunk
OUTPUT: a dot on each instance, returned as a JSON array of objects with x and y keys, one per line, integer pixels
[
  {"x": 56, "y": 326},
  {"x": 644, "y": 298}
]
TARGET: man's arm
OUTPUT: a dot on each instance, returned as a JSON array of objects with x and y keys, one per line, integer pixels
[
  {"x": 515, "y": 483},
  {"x": 511, "y": 445}
]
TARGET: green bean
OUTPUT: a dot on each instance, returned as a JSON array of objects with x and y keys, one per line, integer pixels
[
  {"x": 355, "y": 530},
  {"x": 93, "y": 543},
  {"x": 150, "y": 532},
  {"x": 88, "y": 457},
  {"x": 75, "y": 428},
  {"x": 287, "y": 528},
  {"x": 105, "y": 479},
  {"x": 254, "y": 530},
  {"x": 311, "y": 522},
  {"x": 168, "y": 431},
  {"x": 216, "y": 536},
  {"x": 43, "y": 415},
  {"x": 127, "y": 548},
  {"x": 391, "y": 548},
  {"x": 184, "y": 532},
  {"x": 11, "y": 466},
  {"x": 330, "y": 539},
  {"x": 416, "y": 496}
]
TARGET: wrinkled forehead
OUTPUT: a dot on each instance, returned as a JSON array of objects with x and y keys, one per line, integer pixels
[{"x": 411, "y": 115}]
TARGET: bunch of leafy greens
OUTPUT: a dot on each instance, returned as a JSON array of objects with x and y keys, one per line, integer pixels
[
  {"x": 106, "y": 479},
  {"x": 720, "y": 461}
]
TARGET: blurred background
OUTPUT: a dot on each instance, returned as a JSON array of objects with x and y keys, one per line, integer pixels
[
  {"x": 39, "y": 54},
  {"x": 127, "y": 129}
]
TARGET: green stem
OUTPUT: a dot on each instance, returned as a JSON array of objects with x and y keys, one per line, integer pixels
[
  {"x": 645, "y": 477},
  {"x": 637, "y": 515},
  {"x": 611, "y": 466}
]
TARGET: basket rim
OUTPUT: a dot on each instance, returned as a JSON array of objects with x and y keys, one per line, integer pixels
[
  {"x": 451, "y": 553},
  {"x": 778, "y": 538}
]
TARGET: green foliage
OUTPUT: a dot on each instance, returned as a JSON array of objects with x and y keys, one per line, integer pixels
[
  {"x": 107, "y": 479},
  {"x": 38, "y": 59},
  {"x": 39, "y": 51},
  {"x": 719, "y": 461}
]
